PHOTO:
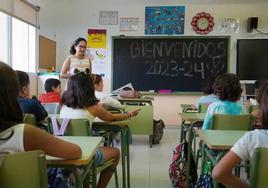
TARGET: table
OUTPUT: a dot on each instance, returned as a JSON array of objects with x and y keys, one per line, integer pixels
[
  {"x": 122, "y": 127},
  {"x": 142, "y": 124},
  {"x": 89, "y": 146},
  {"x": 216, "y": 143}
]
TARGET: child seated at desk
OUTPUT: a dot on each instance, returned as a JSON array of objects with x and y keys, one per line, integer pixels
[
  {"x": 244, "y": 148},
  {"x": 19, "y": 137},
  {"x": 104, "y": 98},
  {"x": 227, "y": 87},
  {"x": 53, "y": 91},
  {"x": 79, "y": 101}
]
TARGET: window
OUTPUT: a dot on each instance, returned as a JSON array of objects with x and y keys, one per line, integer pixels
[
  {"x": 18, "y": 48},
  {"x": 4, "y": 37}
]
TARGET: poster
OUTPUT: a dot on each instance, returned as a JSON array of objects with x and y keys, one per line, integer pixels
[
  {"x": 99, "y": 60},
  {"x": 129, "y": 24},
  {"x": 108, "y": 17},
  {"x": 164, "y": 20},
  {"x": 96, "y": 38}
]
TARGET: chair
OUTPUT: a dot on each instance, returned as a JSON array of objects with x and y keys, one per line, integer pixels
[
  {"x": 252, "y": 108},
  {"x": 242, "y": 122},
  {"x": 52, "y": 108},
  {"x": 25, "y": 169},
  {"x": 29, "y": 119},
  {"x": 259, "y": 166},
  {"x": 82, "y": 127},
  {"x": 202, "y": 107}
]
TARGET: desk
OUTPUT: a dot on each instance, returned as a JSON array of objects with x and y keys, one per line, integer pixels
[
  {"x": 142, "y": 124},
  {"x": 218, "y": 142},
  {"x": 122, "y": 127},
  {"x": 89, "y": 145}
]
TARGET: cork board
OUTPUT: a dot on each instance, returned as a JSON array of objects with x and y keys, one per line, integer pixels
[{"x": 47, "y": 53}]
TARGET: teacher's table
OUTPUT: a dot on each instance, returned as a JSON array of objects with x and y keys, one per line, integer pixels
[
  {"x": 122, "y": 127},
  {"x": 89, "y": 146}
]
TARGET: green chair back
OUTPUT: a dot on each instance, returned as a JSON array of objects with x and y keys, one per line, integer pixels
[
  {"x": 259, "y": 166},
  {"x": 202, "y": 107},
  {"x": 253, "y": 108},
  {"x": 25, "y": 169},
  {"x": 231, "y": 122},
  {"x": 52, "y": 108},
  {"x": 29, "y": 119}
]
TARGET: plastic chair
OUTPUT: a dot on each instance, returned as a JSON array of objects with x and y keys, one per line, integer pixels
[
  {"x": 29, "y": 119},
  {"x": 252, "y": 108},
  {"x": 259, "y": 166},
  {"x": 82, "y": 127},
  {"x": 202, "y": 107},
  {"x": 25, "y": 169},
  {"x": 52, "y": 108}
]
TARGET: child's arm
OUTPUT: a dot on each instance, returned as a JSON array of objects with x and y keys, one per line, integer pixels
[
  {"x": 222, "y": 172},
  {"x": 35, "y": 138}
]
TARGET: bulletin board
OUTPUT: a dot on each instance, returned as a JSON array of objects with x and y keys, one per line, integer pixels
[{"x": 47, "y": 53}]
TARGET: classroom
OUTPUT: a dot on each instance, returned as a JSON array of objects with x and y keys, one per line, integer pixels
[{"x": 166, "y": 58}]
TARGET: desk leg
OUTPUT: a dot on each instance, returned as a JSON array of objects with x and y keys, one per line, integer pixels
[
  {"x": 123, "y": 153},
  {"x": 127, "y": 156}
]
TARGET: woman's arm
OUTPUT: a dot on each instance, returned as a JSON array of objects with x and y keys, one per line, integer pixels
[
  {"x": 100, "y": 112},
  {"x": 65, "y": 68},
  {"x": 222, "y": 172},
  {"x": 35, "y": 138}
]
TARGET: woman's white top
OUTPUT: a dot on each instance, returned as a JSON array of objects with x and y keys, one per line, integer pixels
[
  {"x": 108, "y": 100},
  {"x": 75, "y": 113},
  {"x": 80, "y": 64},
  {"x": 245, "y": 147},
  {"x": 14, "y": 144}
]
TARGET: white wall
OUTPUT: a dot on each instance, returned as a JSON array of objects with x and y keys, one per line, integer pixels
[{"x": 65, "y": 20}]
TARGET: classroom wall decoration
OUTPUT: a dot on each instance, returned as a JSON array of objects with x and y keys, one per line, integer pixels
[
  {"x": 129, "y": 24},
  {"x": 108, "y": 17},
  {"x": 229, "y": 25},
  {"x": 96, "y": 38},
  {"x": 99, "y": 60},
  {"x": 202, "y": 23},
  {"x": 164, "y": 20}
]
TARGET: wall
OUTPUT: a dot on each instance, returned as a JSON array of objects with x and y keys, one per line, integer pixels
[{"x": 65, "y": 20}]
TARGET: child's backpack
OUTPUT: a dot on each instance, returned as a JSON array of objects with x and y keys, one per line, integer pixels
[
  {"x": 178, "y": 167},
  {"x": 158, "y": 131},
  {"x": 205, "y": 179}
]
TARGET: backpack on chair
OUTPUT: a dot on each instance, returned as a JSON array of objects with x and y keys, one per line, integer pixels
[
  {"x": 158, "y": 126},
  {"x": 178, "y": 167}
]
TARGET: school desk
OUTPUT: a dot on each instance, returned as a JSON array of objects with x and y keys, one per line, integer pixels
[
  {"x": 122, "y": 127},
  {"x": 89, "y": 145},
  {"x": 142, "y": 124},
  {"x": 216, "y": 143}
]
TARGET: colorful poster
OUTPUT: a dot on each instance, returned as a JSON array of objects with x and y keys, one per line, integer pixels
[
  {"x": 129, "y": 24},
  {"x": 99, "y": 60},
  {"x": 96, "y": 38},
  {"x": 164, "y": 20}
]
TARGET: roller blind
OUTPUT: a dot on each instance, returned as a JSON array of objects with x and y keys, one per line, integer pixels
[{"x": 23, "y": 10}]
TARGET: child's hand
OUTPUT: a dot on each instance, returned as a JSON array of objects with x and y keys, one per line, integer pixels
[{"x": 134, "y": 112}]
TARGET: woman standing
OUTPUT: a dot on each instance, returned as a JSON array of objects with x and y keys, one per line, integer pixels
[{"x": 77, "y": 61}]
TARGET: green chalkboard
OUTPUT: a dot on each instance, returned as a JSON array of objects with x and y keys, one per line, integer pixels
[{"x": 169, "y": 63}]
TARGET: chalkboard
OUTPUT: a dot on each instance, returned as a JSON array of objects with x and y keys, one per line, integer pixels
[{"x": 168, "y": 63}]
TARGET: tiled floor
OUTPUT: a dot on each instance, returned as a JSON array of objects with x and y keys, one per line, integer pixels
[{"x": 149, "y": 166}]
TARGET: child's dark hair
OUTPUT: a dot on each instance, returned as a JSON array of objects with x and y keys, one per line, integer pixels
[
  {"x": 227, "y": 87},
  {"x": 80, "y": 92},
  {"x": 96, "y": 78},
  {"x": 51, "y": 82},
  {"x": 258, "y": 83},
  {"x": 76, "y": 42},
  {"x": 262, "y": 98},
  {"x": 10, "y": 111},
  {"x": 207, "y": 85},
  {"x": 23, "y": 79}
]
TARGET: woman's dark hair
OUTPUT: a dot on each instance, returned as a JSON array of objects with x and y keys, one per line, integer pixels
[
  {"x": 76, "y": 42},
  {"x": 51, "y": 82},
  {"x": 207, "y": 85},
  {"x": 10, "y": 112},
  {"x": 262, "y": 98},
  {"x": 227, "y": 87},
  {"x": 80, "y": 92},
  {"x": 23, "y": 79}
]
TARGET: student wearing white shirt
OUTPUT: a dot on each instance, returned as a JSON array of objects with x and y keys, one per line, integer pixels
[
  {"x": 244, "y": 148},
  {"x": 104, "y": 98}
]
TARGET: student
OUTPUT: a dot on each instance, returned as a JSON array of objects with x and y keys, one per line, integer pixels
[
  {"x": 244, "y": 148},
  {"x": 209, "y": 96},
  {"x": 77, "y": 61},
  {"x": 227, "y": 87},
  {"x": 103, "y": 97},
  {"x": 53, "y": 91},
  {"x": 28, "y": 103},
  {"x": 19, "y": 137},
  {"x": 79, "y": 101}
]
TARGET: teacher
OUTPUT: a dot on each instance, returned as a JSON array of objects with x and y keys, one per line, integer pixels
[{"x": 77, "y": 61}]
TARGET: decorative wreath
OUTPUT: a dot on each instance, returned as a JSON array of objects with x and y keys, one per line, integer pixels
[{"x": 202, "y": 23}]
